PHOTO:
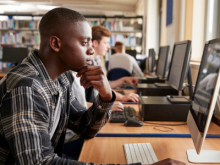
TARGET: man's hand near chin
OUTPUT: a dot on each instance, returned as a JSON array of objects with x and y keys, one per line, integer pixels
[{"x": 94, "y": 76}]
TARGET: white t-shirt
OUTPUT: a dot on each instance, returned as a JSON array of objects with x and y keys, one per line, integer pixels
[
  {"x": 125, "y": 61},
  {"x": 79, "y": 93}
]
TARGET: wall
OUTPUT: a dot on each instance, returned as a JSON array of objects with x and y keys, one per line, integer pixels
[
  {"x": 152, "y": 25},
  {"x": 188, "y": 19},
  {"x": 175, "y": 31},
  {"x": 198, "y": 29}
]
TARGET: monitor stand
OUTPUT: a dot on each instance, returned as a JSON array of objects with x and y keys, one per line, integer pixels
[
  {"x": 205, "y": 156},
  {"x": 179, "y": 99},
  {"x": 162, "y": 85}
]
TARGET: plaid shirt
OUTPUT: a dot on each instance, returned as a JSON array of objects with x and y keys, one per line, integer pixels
[{"x": 28, "y": 102}]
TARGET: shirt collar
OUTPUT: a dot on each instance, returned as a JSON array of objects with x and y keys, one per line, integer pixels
[{"x": 37, "y": 63}]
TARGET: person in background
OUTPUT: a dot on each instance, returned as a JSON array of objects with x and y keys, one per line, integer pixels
[
  {"x": 100, "y": 39},
  {"x": 123, "y": 60}
]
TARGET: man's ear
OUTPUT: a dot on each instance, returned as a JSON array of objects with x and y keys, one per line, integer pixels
[
  {"x": 55, "y": 43},
  {"x": 95, "y": 43}
]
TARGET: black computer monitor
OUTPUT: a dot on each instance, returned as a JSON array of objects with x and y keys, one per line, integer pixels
[
  {"x": 163, "y": 61},
  {"x": 151, "y": 60},
  {"x": 15, "y": 55},
  {"x": 133, "y": 53},
  {"x": 179, "y": 65},
  {"x": 203, "y": 104}
]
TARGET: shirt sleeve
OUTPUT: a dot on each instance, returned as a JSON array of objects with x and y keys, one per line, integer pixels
[
  {"x": 136, "y": 68},
  {"x": 92, "y": 120},
  {"x": 25, "y": 126}
]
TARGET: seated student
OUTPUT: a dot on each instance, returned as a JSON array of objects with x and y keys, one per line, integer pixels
[
  {"x": 101, "y": 39},
  {"x": 123, "y": 60},
  {"x": 37, "y": 102}
]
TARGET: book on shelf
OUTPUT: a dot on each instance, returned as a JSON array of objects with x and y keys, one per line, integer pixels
[
  {"x": 19, "y": 38},
  {"x": 19, "y": 24}
]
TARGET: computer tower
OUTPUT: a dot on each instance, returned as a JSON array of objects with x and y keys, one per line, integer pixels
[
  {"x": 160, "y": 109},
  {"x": 150, "y": 80},
  {"x": 152, "y": 90}
]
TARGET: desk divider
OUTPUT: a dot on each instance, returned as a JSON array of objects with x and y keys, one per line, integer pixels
[
  {"x": 129, "y": 103},
  {"x": 151, "y": 135}
]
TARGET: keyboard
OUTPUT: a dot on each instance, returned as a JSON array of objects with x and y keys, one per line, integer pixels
[
  {"x": 121, "y": 117},
  {"x": 140, "y": 152},
  {"x": 121, "y": 92}
]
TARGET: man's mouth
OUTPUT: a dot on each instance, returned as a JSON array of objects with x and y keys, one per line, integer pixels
[{"x": 89, "y": 62}]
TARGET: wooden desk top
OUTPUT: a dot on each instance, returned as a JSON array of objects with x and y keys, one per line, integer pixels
[
  {"x": 149, "y": 128},
  {"x": 110, "y": 149},
  {"x": 2, "y": 74}
]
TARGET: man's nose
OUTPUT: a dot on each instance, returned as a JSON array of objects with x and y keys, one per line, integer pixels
[{"x": 90, "y": 51}]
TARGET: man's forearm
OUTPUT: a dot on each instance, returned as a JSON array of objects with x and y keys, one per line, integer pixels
[{"x": 116, "y": 83}]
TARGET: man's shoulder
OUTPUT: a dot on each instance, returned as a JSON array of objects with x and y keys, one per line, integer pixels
[{"x": 22, "y": 75}]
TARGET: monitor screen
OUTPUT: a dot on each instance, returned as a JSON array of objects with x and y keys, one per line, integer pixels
[
  {"x": 206, "y": 82},
  {"x": 162, "y": 61},
  {"x": 151, "y": 60},
  {"x": 180, "y": 61},
  {"x": 14, "y": 54}
]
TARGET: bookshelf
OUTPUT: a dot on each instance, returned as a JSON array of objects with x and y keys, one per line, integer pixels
[
  {"x": 24, "y": 32},
  {"x": 128, "y": 30},
  {"x": 19, "y": 30}
]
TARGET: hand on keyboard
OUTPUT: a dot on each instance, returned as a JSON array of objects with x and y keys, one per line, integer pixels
[
  {"x": 169, "y": 162},
  {"x": 130, "y": 97},
  {"x": 117, "y": 106}
]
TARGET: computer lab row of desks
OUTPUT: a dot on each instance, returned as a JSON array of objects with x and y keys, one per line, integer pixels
[{"x": 107, "y": 146}]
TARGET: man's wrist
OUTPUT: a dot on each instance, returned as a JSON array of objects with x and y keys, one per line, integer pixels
[{"x": 107, "y": 98}]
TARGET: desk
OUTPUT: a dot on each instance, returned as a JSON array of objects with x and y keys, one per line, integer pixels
[
  {"x": 183, "y": 129},
  {"x": 2, "y": 75},
  {"x": 110, "y": 149}
]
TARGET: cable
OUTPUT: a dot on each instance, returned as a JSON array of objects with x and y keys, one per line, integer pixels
[{"x": 162, "y": 125}]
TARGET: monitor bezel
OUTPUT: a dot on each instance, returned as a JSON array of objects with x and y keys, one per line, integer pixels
[
  {"x": 166, "y": 61},
  {"x": 197, "y": 138},
  {"x": 186, "y": 63},
  {"x": 151, "y": 70}
]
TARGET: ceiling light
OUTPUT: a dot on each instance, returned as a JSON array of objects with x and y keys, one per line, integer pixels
[{"x": 45, "y": 7}]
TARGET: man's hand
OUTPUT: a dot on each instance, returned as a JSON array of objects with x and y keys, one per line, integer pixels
[
  {"x": 131, "y": 80},
  {"x": 130, "y": 97},
  {"x": 169, "y": 162},
  {"x": 94, "y": 76},
  {"x": 117, "y": 106}
]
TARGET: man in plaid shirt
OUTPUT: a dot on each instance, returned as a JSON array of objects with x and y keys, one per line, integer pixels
[{"x": 37, "y": 103}]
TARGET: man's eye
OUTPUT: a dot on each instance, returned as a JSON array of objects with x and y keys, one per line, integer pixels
[{"x": 84, "y": 43}]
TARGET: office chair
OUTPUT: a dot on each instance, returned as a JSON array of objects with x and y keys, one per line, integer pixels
[{"x": 117, "y": 73}]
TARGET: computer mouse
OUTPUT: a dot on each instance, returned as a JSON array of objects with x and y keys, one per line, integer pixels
[{"x": 133, "y": 123}]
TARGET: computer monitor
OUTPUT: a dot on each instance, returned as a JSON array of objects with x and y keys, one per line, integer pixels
[
  {"x": 179, "y": 65},
  {"x": 163, "y": 61},
  {"x": 203, "y": 104},
  {"x": 15, "y": 55},
  {"x": 151, "y": 60}
]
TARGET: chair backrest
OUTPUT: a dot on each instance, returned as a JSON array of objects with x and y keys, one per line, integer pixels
[{"x": 117, "y": 73}]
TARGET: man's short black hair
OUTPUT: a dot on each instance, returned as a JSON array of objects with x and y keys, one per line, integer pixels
[{"x": 58, "y": 17}]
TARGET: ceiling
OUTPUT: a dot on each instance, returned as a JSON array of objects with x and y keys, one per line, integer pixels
[{"x": 95, "y": 7}]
